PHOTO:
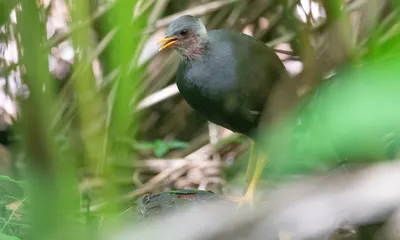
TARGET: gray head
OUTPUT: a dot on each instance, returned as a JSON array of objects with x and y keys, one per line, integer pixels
[{"x": 186, "y": 34}]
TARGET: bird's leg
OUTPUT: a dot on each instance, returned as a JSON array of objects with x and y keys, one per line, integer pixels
[
  {"x": 251, "y": 189},
  {"x": 252, "y": 163},
  {"x": 255, "y": 168}
]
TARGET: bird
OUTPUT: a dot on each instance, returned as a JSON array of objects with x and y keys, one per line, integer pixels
[
  {"x": 231, "y": 78},
  {"x": 150, "y": 205}
]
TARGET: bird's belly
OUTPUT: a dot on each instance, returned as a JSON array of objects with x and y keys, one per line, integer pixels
[{"x": 202, "y": 100}]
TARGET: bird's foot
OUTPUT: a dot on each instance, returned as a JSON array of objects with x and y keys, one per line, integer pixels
[{"x": 247, "y": 199}]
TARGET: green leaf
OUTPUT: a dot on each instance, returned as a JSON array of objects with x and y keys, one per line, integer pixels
[
  {"x": 7, "y": 178},
  {"x": 10, "y": 188},
  {"x": 8, "y": 237},
  {"x": 177, "y": 144},
  {"x": 5, "y": 9},
  {"x": 351, "y": 119},
  {"x": 160, "y": 148}
]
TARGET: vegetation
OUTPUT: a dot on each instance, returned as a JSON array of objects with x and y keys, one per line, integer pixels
[{"x": 98, "y": 120}]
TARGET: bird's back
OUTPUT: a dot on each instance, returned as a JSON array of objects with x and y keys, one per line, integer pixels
[{"x": 231, "y": 81}]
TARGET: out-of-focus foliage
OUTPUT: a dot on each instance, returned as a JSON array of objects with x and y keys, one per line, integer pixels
[
  {"x": 352, "y": 117},
  {"x": 99, "y": 121},
  {"x": 8, "y": 237},
  {"x": 6, "y": 6},
  {"x": 160, "y": 148}
]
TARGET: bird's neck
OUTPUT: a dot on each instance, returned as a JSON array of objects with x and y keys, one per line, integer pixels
[{"x": 195, "y": 51}]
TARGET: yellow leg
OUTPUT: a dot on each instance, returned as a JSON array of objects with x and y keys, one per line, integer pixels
[
  {"x": 251, "y": 165},
  {"x": 254, "y": 171},
  {"x": 259, "y": 168}
]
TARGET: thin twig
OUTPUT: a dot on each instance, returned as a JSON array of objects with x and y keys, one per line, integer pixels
[
  {"x": 196, "y": 11},
  {"x": 63, "y": 36},
  {"x": 158, "y": 96}
]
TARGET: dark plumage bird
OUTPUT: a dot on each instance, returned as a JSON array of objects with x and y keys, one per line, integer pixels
[{"x": 231, "y": 78}]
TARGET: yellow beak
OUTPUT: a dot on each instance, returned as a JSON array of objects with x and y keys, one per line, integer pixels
[{"x": 169, "y": 41}]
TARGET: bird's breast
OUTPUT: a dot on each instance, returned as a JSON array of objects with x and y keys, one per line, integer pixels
[
  {"x": 203, "y": 84},
  {"x": 213, "y": 95}
]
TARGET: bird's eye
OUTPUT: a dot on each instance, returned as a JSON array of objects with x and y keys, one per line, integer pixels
[{"x": 184, "y": 32}]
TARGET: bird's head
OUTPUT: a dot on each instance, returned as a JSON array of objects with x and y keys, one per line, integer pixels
[{"x": 186, "y": 34}]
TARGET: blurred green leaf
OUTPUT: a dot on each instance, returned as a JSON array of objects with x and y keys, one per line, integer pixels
[
  {"x": 160, "y": 148},
  {"x": 177, "y": 144},
  {"x": 53, "y": 193},
  {"x": 7, "y": 178},
  {"x": 8, "y": 237},
  {"x": 10, "y": 189},
  {"x": 5, "y": 9},
  {"x": 352, "y": 118}
]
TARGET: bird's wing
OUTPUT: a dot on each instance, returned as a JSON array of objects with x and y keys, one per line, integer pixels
[{"x": 278, "y": 90}]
